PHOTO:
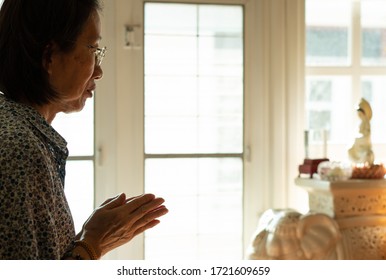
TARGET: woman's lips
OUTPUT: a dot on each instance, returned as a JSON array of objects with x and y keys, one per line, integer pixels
[
  {"x": 90, "y": 93},
  {"x": 91, "y": 90}
]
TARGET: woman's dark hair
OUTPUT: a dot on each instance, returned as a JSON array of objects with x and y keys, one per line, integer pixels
[{"x": 27, "y": 27}]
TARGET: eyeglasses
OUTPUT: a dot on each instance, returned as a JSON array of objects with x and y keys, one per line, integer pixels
[{"x": 99, "y": 54}]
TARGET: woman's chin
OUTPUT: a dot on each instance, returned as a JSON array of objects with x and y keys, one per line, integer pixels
[{"x": 76, "y": 106}]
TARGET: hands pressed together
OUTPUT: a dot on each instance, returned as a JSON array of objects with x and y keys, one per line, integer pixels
[{"x": 120, "y": 219}]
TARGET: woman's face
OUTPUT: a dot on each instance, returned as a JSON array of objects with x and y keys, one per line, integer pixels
[{"x": 73, "y": 74}]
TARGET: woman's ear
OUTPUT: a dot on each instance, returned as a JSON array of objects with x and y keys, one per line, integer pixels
[{"x": 47, "y": 58}]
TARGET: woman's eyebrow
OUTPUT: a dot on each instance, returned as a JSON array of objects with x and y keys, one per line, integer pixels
[{"x": 95, "y": 38}]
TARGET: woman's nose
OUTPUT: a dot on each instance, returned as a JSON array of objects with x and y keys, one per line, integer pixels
[{"x": 98, "y": 72}]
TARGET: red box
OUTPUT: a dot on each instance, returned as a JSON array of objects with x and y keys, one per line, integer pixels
[{"x": 310, "y": 166}]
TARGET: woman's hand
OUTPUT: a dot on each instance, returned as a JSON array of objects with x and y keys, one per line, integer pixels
[{"x": 118, "y": 220}]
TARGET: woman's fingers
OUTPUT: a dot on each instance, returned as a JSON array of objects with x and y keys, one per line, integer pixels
[
  {"x": 147, "y": 226},
  {"x": 144, "y": 209},
  {"x": 142, "y": 204},
  {"x": 144, "y": 217},
  {"x": 150, "y": 206},
  {"x": 133, "y": 202},
  {"x": 150, "y": 217},
  {"x": 119, "y": 197},
  {"x": 150, "y": 220}
]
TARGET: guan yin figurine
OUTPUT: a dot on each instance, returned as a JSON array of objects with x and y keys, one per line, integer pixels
[{"x": 361, "y": 152}]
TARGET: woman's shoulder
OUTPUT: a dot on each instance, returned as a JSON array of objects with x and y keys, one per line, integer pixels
[
  {"x": 13, "y": 129},
  {"x": 17, "y": 139}
]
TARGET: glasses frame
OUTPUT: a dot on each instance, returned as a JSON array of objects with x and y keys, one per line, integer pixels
[{"x": 99, "y": 54}]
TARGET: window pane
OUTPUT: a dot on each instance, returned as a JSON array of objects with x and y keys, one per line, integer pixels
[
  {"x": 220, "y": 56},
  {"x": 194, "y": 81},
  {"x": 79, "y": 189},
  {"x": 220, "y": 95},
  {"x": 170, "y": 96},
  {"x": 78, "y": 130},
  {"x": 161, "y": 19},
  {"x": 220, "y": 40},
  {"x": 170, "y": 55},
  {"x": 220, "y": 20},
  {"x": 373, "y": 20},
  {"x": 218, "y": 134},
  {"x": 329, "y": 109},
  {"x": 328, "y": 31},
  {"x": 204, "y": 198}
]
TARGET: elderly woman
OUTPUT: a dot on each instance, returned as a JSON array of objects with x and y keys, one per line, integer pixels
[{"x": 50, "y": 59}]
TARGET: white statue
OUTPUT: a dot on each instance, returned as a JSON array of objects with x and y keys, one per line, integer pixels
[{"x": 361, "y": 151}]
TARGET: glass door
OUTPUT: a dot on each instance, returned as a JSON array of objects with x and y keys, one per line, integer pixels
[{"x": 193, "y": 128}]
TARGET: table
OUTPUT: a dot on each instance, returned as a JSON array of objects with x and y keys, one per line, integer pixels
[{"x": 359, "y": 208}]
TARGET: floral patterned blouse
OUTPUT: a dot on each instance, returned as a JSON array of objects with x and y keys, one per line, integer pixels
[{"x": 35, "y": 219}]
